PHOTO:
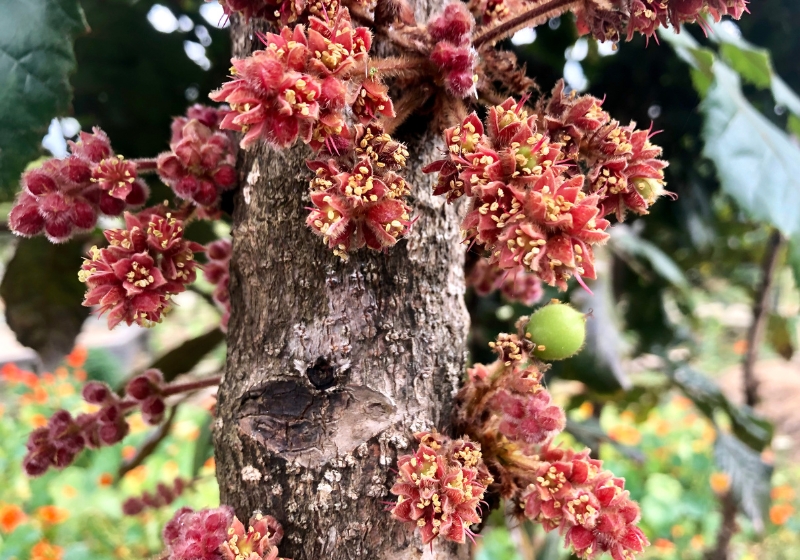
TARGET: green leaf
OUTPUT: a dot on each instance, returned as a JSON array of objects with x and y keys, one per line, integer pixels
[
  {"x": 750, "y": 477},
  {"x": 757, "y": 163},
  {"x": 781, "y": 335},
  {"x": 183, "y": 358},
  {"x": 36, "y": 59},
  {"x": 784, "y": 95},
  {"x": 43, "y": 296},
  {"x": 699, "y": 58},
  {"x": 793, "y": 258},
  {"x": 752, "y": 63},
  {"x": 625, "y": 240},
  {"x": 204, "y": 446},
  {"x": 591, "y": 434},
  {"x": 748, "y": 426}
]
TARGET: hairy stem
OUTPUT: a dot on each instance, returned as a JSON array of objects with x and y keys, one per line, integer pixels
[
  {"x": 531, "y": 17},
  {"x": 145, "y": 165},
  {"x": 760, "y": 307}
]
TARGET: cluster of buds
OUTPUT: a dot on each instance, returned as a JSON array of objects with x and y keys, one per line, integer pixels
[
  {"x": 201, "y": 163},
  {"x": 589, "y": 506},
  {"x": 439, "y": 488},
  {"x": 147, "y": 391},
  {"x": 306, "y": 85},
  {"x": 64, "y": 196},
  {"x": 505, "y": 408},
  {"x": 217, "y": 271},
  {"x": 453, "y": 55},
  {"x": 533, "y": 209},
  {"x": 59, "y": 442},
  {"x": 518, "y": 285},
  {"x": 301, "y": 85},
  {"x": 609, "y": 21},
  {"x": 359, "y": 196},
  {"x": 526, "y": 212},
  {"x": 217, "y": 534},
  {"x": 143, "y": 266},
  {"x": 163, "y": 496}
]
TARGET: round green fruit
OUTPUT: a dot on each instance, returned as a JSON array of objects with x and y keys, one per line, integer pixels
[{"x": 558, "y": 330}]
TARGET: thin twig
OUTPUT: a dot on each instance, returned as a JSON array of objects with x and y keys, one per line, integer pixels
[
  {"x": 531, "y": 17},
  {"x": 727, "y": 529},
  {"x": 760, "y": 308}
]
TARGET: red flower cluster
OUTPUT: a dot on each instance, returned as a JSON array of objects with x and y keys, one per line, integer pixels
[
  {"x": 67, "y": 195},
  {"x": 280, "y": 11},
  {"x": 201, "y": 162},
  {"x": 144, "y": 265},
  {"x": 626, "y": 17},
  {"x": 451, "y": 34},
  {"x": 301, "y": 85},
  {"x": 358, "y": 197},
  {"x": 514, "y": 402},
  {"x": 526, "y": 211},
  {"x": 491, "y": 11},
  {"x": 216, "y": 534},
  {"x": 518, "y": 285},
  {"x": 439, "y": 488},
  {"x": 533, "y": 211},
  {"x": 217, "y": 271},
  {"x": 589, "y": 506},
  {"x": 623, "y": 169},
  {"x": 505, "y": 408},
  {"x": 58, "y": 444},
  {"x": 163, "y": 496}
]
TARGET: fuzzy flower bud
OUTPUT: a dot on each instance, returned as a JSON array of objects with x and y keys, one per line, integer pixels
[
  {"x": 217, "y": 272},
  {"x": 64, "y": 196}
]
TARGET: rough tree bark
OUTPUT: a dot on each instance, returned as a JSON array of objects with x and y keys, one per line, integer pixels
[{"x": 332, "y": 365}]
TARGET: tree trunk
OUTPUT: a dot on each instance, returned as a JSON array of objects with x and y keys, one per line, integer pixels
[{"x": 333, "y": 365}]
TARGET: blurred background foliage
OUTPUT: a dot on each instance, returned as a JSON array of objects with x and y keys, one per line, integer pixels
[{"x": 658, "y": 390}]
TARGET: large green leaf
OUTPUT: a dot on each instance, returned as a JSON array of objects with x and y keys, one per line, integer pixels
[
  {"x": 749, "y": 475},
  {"x": 43, "y": 296},
  {"x": 757, "y": 163},
  {"x": 36, "y": 59},
  {"x": 599, "y": 363},
  {"x": 748, "y": 426}
]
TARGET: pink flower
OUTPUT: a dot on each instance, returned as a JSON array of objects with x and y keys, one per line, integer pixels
[
  {"x": 202, "y": 160},
  {"x": 217, "y": 534},
  {"x": 591, "y": 507},
  {"x": 357, "y": 207},
  {"x": 144, "y": 266},
  {"x": 270, "y": 96},
  {"x": 63, "y": 196},
  {"x": 439, "y": 488}
]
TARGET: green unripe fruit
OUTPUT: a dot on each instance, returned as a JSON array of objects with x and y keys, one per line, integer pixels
[{"x": 558, "y": 331}]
